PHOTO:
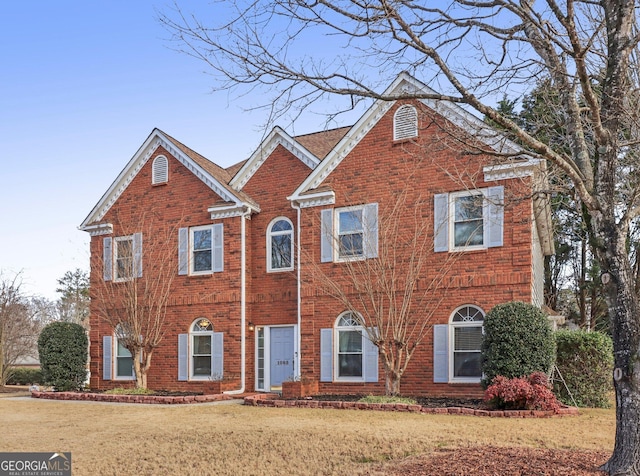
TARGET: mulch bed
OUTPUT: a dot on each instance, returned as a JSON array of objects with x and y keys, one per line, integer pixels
[
  {"x": 494, "y": 461},
  {"x": 429, "y": 402}
]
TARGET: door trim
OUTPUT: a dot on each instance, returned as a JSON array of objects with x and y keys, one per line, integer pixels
[{"x": 267, "y": 355}]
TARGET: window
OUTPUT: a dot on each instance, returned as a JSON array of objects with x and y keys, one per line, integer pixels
[
  {"x": 346, "y": 352},
  {"x": 405, "y": 123},
  {"x": 466, "y": 343},
  {"x": 350, "y": 230},
  {"x": 122, "y": 257},
  {"x": 201, "y": 346},
  {"x": 349, "y": 337},
  {"x": 469, "y": 220},
  {"x": 123, "y": 358},
  {"x": 280, "y": 245},
  {"x": 200, "y": 352},
  {"x": 160, "y": 170},
  {"x": 349, "y": 233},
  {"x": 200, "y": 249}
]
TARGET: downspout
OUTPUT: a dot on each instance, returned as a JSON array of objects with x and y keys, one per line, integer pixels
[
  {"x": 299, "y": 289},
  {"x": 243, "y": 302}
]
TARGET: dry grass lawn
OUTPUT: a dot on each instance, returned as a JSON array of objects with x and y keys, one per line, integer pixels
[{"x": 231, "y": 439}]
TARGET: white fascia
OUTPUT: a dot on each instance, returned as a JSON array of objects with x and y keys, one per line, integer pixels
[
  {"x": 513, "y": 169},
  {"x": 308, "y": 200},
  {"x": 97, "y": 230},
  {"x": 231, "y": 210}
]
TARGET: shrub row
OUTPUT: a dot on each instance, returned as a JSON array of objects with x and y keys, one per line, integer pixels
[{"x": 25, "y": 376}]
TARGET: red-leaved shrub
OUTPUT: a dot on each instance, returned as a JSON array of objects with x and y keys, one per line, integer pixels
[{"x": 521, "y": 393}]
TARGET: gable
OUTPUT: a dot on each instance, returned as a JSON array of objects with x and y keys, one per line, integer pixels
[
  {"x": 403, "y": 85},
  {"x": 205, "y": 171},
  {"x": 276, "y": 138}
]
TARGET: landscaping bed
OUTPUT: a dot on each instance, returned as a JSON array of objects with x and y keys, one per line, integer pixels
[
  {"x": 491, "y": 461},
  {"x": 436, "y": 405},
  {"x": 156, "y": 397}
]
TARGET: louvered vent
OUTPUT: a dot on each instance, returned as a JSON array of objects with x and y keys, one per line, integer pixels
[
  {"x": 405, "y": 123},
  {"x": 160, "y": 170}
]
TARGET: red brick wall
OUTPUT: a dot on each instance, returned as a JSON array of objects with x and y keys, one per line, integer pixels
[
  {"x": 420, "y": 169},
  {"x": 376, "y": 170},
  {"x": 181, "y": 202},
  {"x": 272, "y": 296}
]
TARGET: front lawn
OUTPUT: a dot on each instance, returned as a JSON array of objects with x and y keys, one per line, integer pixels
[{"x": 230, "y": 439}]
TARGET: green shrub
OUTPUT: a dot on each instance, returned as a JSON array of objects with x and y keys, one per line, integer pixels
[
  {"x": 517, "y": 341},
  {"x": 25, "y": 376},
  {"x": 585, "y": 362},
  {"x": 63, "y": 355}
]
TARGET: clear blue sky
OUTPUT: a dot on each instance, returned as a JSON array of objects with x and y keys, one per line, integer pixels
[{"x": 82, "y": 84}]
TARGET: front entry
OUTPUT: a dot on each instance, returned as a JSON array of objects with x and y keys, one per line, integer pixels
[{"x": 281, "y": 346}]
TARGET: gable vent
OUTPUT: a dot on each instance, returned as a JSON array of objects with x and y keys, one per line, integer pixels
[
  {"x": 160, "y": 170},
  {"x": 405, "y": 123}
]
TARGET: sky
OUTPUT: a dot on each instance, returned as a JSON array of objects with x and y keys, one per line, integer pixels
[{"x": 82, "y": 85}]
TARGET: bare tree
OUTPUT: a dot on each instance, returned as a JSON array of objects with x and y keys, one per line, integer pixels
[
  {"x": 134, "y": 302},
  {"x": 473, "y": 50},
  {"x": 394, "y": 295},
  {"x": 18, "y": 331}
]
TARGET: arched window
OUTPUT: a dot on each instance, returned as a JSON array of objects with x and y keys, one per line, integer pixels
[
  {"x": 349, "y": 348},
  {"x": 201, "y": 340},
  {"x": 405, "y": 123},
  {"x": 160, "y": 170},
  {"x": 466, "y": 343},
  {"x": 280, "y": 245}
]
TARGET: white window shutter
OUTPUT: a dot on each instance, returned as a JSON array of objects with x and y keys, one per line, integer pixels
[
  {"x": 183, "y": 357},
  {"x": 326, "y": 235},
  {"x": 370, "y": 359},
  {"x": 494, "y": 226},
  {"x": 441, "y": 353},
  {"x": 370, "y": 226},
  {"x": 183, "y": 251},
  {"x": 137, "y": 254},
  {"x": 217, "y": 248},
  {"x": 107, "y": 355},
  {"x": 217, "y": 355},
  {"x": 441, "y": 222},
  {"x": 326, "y": 355},
  {"x": 107, "y": 259}
]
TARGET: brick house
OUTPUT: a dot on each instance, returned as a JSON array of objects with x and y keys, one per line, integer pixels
[{"x": 246, "y": 307}]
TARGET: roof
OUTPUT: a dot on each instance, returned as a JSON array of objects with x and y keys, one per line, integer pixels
[{"x": 321, "y": 143}]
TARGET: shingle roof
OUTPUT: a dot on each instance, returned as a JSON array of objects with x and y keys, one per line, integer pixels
[
  {"x": 321, "y": 143},
  {"x": 222, "y": 175}
]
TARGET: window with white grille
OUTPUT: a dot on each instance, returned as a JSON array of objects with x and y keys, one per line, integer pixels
[{"x": 405, "y": 123}]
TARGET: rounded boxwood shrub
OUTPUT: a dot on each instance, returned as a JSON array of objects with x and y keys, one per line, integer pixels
[
  {"x": 585, "y": 362},
  {"x": 517, "y": 341},
  {"x": 63, "y": 355}
]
